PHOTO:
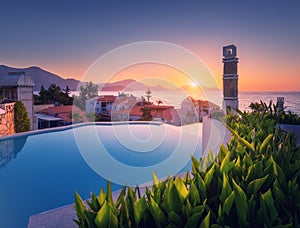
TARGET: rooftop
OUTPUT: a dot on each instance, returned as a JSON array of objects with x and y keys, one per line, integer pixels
[
  {"x": 62, "y": 112},
  {"x": 106, "y": 98}
]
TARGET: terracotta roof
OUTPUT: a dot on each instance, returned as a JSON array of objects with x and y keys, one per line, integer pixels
[
  {"x": 131, "y": 101},
  {"x": 167, "y": 115},
  {"x": 107, "y": 98},
  {"x": 136, "y": 111},
  {"x": 204, "y": 104},
  {"x": 63, "y": 112},
  {"x": 162, "y": 111}
]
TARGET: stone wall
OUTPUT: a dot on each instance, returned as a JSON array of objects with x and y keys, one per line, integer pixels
[
  {"x": 7, "y": 125},
  {"x": 214, "y": 135}
]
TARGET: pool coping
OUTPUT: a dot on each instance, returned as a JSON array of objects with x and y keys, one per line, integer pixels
[
  {"x": 64, "y": 216},
  {"x": 73, "y": 126}
]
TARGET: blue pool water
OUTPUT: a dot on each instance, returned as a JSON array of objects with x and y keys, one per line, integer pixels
[{"x": 39, "y": 172}]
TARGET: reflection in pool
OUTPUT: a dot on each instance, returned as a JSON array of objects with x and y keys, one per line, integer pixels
[
  {"x": 42, "y": 171},
  {"x": 10, "y": 148}
]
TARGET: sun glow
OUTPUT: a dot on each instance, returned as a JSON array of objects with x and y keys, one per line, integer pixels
[{"x": 193, "y": 84}]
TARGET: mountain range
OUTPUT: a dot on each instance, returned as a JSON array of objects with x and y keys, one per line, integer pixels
[
  {"x": 46, "y": 78},
  {"x": 41, "y": 77},
  {"x": 128, "y": 85}
]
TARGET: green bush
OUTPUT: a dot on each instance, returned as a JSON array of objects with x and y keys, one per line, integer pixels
[
  {"x": 252, "y": 182},
  {"x": 270, "y": 111},
  {"x": 21, "y": 119},
  {"x": 218, "y": 115}
]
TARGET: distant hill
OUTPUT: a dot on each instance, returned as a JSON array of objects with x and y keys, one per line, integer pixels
[
  {"x": 128, "y": 85},
  {"x": 188, "y": 88},
  {"x": 42, "y": 77},
  {"x": 46, "y": 78}
]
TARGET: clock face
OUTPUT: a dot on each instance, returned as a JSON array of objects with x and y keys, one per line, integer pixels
[{"x": 229, "y": 51}]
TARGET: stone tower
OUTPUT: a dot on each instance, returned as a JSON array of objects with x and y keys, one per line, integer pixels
[{"x": 230, "y": 78}]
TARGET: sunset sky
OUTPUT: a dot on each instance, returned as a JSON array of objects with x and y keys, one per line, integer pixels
[{"x": 67, "y": 37}]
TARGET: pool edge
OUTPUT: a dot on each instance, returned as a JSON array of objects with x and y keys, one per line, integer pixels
[{"x": 73, "y": 126}]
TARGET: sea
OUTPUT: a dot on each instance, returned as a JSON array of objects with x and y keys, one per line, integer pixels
[{"x": 291, "y": 99}]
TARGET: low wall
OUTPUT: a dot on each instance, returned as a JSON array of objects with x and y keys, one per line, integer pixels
[
  {"x": 7, "y": 125},
  {"x": 214, "y": 135},
  {"x": 291, "y": 128}
]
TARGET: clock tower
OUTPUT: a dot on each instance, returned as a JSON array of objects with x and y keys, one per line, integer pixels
[{"x": 230, "y": 78}]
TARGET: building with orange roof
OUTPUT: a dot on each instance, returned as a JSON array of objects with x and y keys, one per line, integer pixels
[
  {"x": 163, "y": 113},
  {"x": 193, "y": 110},
  {"x": 100, "y": 105},
  {"x": 58, "y": 116}
]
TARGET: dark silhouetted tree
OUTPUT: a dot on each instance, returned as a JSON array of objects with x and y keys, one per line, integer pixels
[
  {"x": 44, "y": 97},
  {"x": 54, "y": 94},
  {"x": 159, "y": 102}
]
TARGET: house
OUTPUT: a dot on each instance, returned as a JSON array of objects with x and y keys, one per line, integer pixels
[
  {"x": 105, "y": 105},
  {"x": 100, "y": 105},
  {"x": 126, "y": 101},
  {"x": 193, "y": 111},
  {"x": 163, "y": 113},
  {"x": 58, "y": 116},
  {"x": 18, "y": 86}
]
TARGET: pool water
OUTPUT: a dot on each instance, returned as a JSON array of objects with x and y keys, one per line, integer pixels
[{"x": 39, "y": 172}]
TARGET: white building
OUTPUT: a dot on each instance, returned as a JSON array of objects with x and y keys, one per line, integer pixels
[
  {"x": 126, "y": 101},
  {"x": 100, "y": 105},
  {"x": 193, "y": 111}
]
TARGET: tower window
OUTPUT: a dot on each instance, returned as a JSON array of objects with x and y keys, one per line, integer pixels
[{"x": 229, "y": 51}]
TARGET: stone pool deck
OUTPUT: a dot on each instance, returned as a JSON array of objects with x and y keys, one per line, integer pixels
[
  {"x": 58, "y": 217},
  {"x": 63, "y": 216}
]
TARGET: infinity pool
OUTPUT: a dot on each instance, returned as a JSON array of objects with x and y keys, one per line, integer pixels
[{"x": 41, "y": 171}]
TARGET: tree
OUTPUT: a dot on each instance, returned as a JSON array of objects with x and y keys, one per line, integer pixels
[
  {"x": 54, "y": 94},
  {"x": 159, "y": 102},
  {"x": 91, "y": 116},
  {"x": 44, "y": 97},
  {"x": 67, "y": 91},
  {"x": 88, "y": 91},
  {"x": 22, "y": 121},
  {"x": 76, "y": 117},
  {"x": 64, "y": 97}
]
